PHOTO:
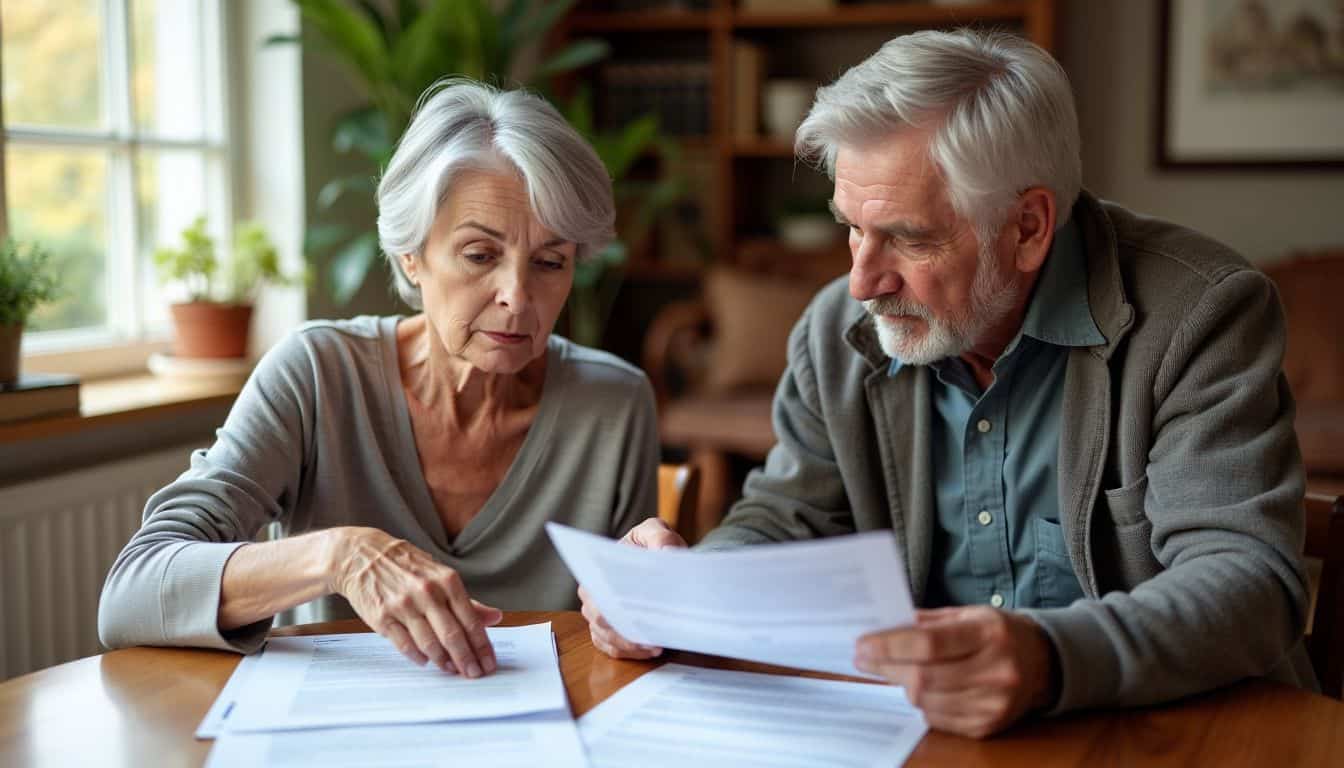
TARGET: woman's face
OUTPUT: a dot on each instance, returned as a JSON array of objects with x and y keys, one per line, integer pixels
[{"x": 492, "y": 279}]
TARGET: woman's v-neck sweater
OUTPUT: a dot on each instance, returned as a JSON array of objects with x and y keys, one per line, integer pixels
[{"x": 321, "y": 437}]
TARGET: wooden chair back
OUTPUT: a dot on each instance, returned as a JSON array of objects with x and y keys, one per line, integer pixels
[
  {"x": 678, "y": 494},
  {"x": 1325, "y": 540}
]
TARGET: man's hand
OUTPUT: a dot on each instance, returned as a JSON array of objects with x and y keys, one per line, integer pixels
[
  {"x": 650, "y": 534},
  {"x": 973, "y": 670}
]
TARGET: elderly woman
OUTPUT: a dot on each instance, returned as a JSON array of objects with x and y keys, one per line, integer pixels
[{"x": 412, "y": 461}]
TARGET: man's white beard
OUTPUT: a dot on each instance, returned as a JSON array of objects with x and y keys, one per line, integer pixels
[{"x": 992, "y": 298}]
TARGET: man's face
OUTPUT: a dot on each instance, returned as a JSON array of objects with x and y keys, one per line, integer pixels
[{"x": 933, "y": 289}]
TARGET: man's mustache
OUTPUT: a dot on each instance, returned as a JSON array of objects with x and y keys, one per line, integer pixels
[{"x": 895, "y": 305}]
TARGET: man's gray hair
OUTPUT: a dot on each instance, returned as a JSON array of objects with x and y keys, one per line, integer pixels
[
  {"x": 1000, "y": 107},
  {"x": 461, "y": 124}
]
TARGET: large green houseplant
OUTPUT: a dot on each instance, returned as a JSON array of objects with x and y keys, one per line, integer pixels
[
  {"x": 213, "y": 319},
  {"x": 394, "y": 51},
  {"x": 26, "y": 280}
]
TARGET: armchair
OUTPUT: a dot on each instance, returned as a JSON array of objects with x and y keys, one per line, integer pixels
[{"x": 714, "y": 363}]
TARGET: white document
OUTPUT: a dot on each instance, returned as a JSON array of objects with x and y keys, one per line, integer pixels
[
  {"x": 687, "y": 716},
  {"x": 361, "y": 679},
  {"x": 800, "y": 604},
  {"x": 537, "y": 740},
  {"x": 213, "y": 722}
]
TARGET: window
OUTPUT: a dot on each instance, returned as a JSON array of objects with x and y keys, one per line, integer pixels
[{"x": 114, "y": 139}]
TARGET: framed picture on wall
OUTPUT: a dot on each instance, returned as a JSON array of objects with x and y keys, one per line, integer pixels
[{"x": 1251, "y": 83}]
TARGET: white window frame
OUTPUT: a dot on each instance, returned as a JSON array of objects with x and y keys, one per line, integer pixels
[{"x": 126, "y": 341}]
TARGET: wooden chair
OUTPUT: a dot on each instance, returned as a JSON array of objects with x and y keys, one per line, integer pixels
[
  {"x": 705, "y": 359},
  {"x": 1325, "y": 540},
  {"x": 678, "y": 493},
  {"x": 1309, "y": 285}
]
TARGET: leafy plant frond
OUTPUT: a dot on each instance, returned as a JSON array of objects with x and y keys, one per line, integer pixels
[
  {"x": 578, "y": 54},
  {"x": 336, "y": 188},
  {"x": 383, "y": 24},
  {"x": 350, "y": 266},
  {"x": 537, "y": 24},
  {"x": 365, "y": 130},
  {"x": 281, "y": 39},
  {"x": 358, "y": 40}
]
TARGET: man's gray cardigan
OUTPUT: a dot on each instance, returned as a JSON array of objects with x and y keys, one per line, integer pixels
[{"x": 1180, "y": 482}]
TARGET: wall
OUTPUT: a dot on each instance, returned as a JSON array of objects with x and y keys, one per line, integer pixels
[
  {"x": 1110, "y": 50},
  {"x": 328, "y": 93}
]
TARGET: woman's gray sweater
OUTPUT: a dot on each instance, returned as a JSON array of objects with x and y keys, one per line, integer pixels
[{"x": 321, "y": 437}]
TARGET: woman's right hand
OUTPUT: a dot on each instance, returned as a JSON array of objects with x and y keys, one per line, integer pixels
[{"x": 413, "y": 600}]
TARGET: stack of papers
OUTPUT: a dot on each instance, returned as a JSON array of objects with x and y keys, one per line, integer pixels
[
  {"x": 338, "y": 701},
  {"x": 688, "y": 716},
  {"x": 347, "y": 700}
]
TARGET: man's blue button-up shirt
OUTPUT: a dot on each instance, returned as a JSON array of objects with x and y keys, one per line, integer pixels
[{"x": 995, "y": 453}]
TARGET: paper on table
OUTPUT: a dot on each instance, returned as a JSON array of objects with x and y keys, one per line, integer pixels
[
  {"x": 213, "y": 722},
  {"x": 799, "y": 604},
  {"x": 550, "y": 739},
  {"x": 361, "y": 679},
  {"x": 678, "y": 715}
]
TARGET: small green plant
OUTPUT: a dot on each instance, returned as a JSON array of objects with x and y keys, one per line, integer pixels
[
  {"x": 26, "y": 280},
  {"x": 196, "y": 268}
]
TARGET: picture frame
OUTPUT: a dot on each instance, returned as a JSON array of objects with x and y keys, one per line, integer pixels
[{"x": 1251, "y": 84}]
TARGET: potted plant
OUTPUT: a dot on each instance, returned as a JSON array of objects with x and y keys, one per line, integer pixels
[
  {"x": 394, "y": 51},
  {"x": 25, "y": 282},
  {"x": 214, "y": 319}
]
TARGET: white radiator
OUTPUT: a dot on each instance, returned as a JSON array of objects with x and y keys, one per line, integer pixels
[{"x": 58, "y": 538}]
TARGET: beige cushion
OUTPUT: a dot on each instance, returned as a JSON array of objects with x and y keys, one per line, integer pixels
[
  {"x": 752, "y": 315},
  {"x": 737, "y": 423}
]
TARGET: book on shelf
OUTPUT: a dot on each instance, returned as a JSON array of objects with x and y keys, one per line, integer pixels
[
  {"x": 38, "y": 395},
  {"x": 659, "y": 5},
  {"x": 676, "y": 92},
  {"x": 786, "y": 6},
  {"x": 748, "y": 71}
]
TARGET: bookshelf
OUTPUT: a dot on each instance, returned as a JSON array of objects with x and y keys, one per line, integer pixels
[{"x": 745, "y": 170}]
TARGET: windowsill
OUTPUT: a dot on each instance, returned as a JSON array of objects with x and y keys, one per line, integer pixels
[{"x": 122, "y": 400}]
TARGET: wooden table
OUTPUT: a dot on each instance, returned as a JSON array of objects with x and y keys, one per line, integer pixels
[{"x": 139, "y": 707}]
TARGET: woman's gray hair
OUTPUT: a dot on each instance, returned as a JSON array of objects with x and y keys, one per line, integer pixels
[
  {"x": 1002, "y": 114},
  {"x": 461, "y": 124}
]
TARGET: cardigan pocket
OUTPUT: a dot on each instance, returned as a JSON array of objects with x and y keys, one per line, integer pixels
[
  {"x": 1130, "y": 548},
  {"x": 1125, "y": 504}
]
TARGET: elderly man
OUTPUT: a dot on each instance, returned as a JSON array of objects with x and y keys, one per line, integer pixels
[{"x": 1072, "y": 417}]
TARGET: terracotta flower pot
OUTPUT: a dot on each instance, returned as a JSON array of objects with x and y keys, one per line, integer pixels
[
  {"x": 207, "y": 329},
  {"x": 10, "y": 338}
]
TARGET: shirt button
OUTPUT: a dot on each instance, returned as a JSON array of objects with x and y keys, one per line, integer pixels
[
  {"x": 996, "y": 600},
  {"x": 984, "y": 426},
  {"x": 984, "y": 517}
]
